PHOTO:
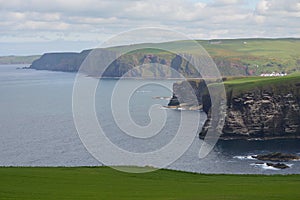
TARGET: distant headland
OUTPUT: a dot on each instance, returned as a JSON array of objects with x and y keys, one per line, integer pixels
[{"x": 234, "y": 57}]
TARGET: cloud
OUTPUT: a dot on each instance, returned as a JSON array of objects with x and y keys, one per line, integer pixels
[{"x": 97, "y": 20}]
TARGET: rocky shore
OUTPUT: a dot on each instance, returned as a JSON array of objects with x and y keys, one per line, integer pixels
[
  {"x": 277, "y": 160},
  {"x": 277, "y": 157}
]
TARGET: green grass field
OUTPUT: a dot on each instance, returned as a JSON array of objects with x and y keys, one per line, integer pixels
[
  {"x": 106, "y": 183},
  {"x": 240, "y": 84},
  {"x": 259, "y": 55}
]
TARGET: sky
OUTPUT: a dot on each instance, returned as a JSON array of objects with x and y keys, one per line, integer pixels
[{"x": 30, "y": 27}]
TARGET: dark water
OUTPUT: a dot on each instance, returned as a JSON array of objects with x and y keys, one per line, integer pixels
[{"x": 37, "y": 128}]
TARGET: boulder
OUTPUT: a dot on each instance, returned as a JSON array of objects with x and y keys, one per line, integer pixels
[{"x": 277, "y": 157}]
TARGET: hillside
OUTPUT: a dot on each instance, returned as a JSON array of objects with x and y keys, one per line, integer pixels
[
  {"x": 234, "y": 57},
  {"x": 259, "y": 55},
  {"x": 18, "y": 59}
]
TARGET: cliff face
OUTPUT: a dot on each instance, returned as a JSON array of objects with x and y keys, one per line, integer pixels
[
  {"x": 133, "y": 65},
  {"x": 264, "y": 112},
  {"x": 187, "y": 93},
  {"x": 67, "y": 62},
  {"x": 70, "y": 62}
]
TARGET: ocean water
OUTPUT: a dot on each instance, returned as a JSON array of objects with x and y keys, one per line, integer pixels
[{"x": 37, "y": 126}]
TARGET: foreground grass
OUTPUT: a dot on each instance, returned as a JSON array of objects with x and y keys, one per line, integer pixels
[{"x": 106, "y": 183}]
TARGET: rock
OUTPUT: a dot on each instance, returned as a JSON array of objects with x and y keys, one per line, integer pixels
[
  {"x": 171, "y": 107},
  {"x": 263, "y": 117},
  {"x": 188, "y": 93},
  {"x": 195, "y": 107},
  {"x": 278, "y": 165},
  {"x": 174, "y": 101},
  {"x": 275, "y": 165},
  {"x": 277, "y": 157}
]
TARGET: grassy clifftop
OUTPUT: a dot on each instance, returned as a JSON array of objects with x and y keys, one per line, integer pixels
[{"x": 238, "y": 85}]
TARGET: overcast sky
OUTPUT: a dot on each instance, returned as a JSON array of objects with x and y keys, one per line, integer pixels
[{"x": 38, "y": 26}]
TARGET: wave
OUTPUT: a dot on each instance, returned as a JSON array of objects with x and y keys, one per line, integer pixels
[
  {"x": 264, "y": 166},
  {"x": 267, "y": 167},
  {"x": 143, "y": 91},
  {"x": 162, "y": 98},
  {"x": 249, "y": 157}
]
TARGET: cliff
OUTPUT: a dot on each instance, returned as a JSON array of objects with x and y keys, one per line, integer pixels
[
  {"x": 139, "y": 64},
  {"x": 237, "y": 57},
  {"x": 67, "y": 62},
  {"x": 257, "y": 108}
]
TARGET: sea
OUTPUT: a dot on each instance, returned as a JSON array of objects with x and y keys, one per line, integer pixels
[{"x": 37, "y": 126}]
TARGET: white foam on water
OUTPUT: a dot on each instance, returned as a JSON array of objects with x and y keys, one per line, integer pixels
[
  {"x": 290, "y": 165},
  {"x": 264, "y": 166},
  {"x": 143, "y": 91},
  {"x": 250, "y": 157},
  {"x": 162, "y": 98}
]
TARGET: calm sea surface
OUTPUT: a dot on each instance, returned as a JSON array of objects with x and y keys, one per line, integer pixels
[{"x": 37, "y": 127}]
